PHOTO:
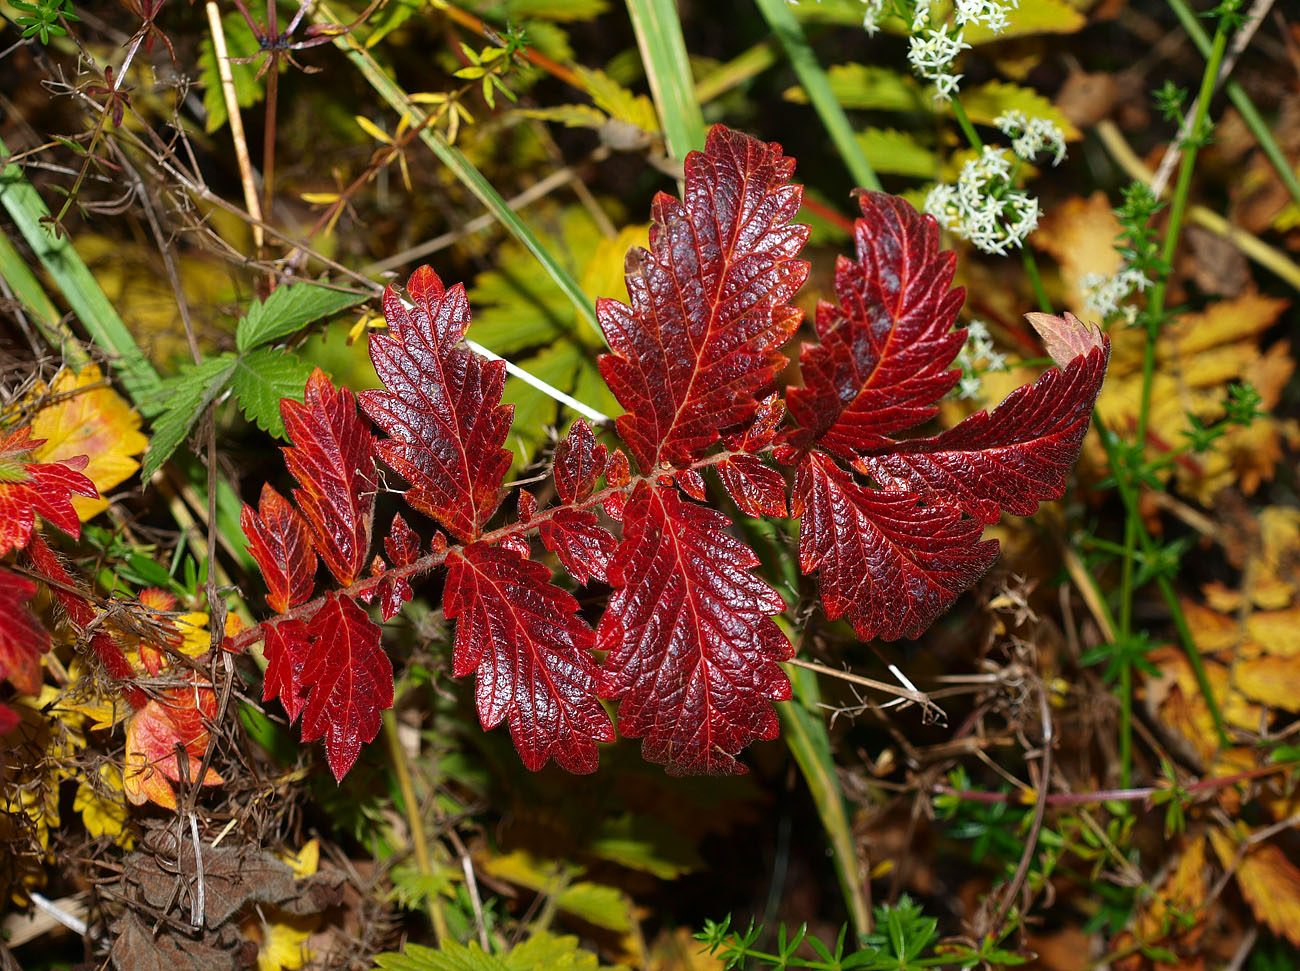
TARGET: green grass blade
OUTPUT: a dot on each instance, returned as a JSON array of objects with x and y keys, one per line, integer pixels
[
  {"x": 803, "y": 59},
  {"x": 1241, "y": 100},
  {"x": 462, "y": 168},
  {"x": 77, "y": 283},
  {"x": 663, "y": 50},
  {"x": 804, "y": 731},
  {"x": 27, "y": 290}
]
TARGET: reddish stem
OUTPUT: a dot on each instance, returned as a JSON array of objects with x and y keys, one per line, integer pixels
[{"x": 424, "y": 564}]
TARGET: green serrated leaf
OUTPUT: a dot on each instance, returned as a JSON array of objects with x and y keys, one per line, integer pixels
[
  {"x": 240, "y": 43},
  {"x": 261, "y": 379},
  {"x": 570, "y": 116},
  {"x": 646, "y": 843},
  {"x": 290, "y": 308},
  {"x": 179, "y": 404},
  {"x": 542, "y": 950},
  {"x": 563, "y": 11},
  {"x": 898, "y": 153},
  {"x": 869, "y": 87},
  {"x": 618, "y": 101}
]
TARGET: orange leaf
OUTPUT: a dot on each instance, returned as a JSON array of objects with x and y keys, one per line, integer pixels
[
  {"x": 1269, "y": 882},
  {"x": 152, "y": 736}
]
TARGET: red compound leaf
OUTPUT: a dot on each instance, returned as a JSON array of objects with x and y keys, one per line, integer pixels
[
  {"x": 582, "y": 544},
  {"x": 1007, "y": 461},
  {"x": 348, "y": 681},
  {"x": 332, "y": 457},
  {"x": 286, "y": 646},
  {"x": 31, "y": 489},
  {"x": 442, "y": 407},
  {"x": 403, "y": 548},
  {"x": 889, "y": 563},
  {"x": 177, "y": 719},
  {"x": 693, "y": 650},
  {"x": 281, "y": 544},
  {"x": 532, "y": 655},
  {"x": 22, "y": 638},
  {"x": 882, "y": 364},
  {"x": 709, "y": 302},
  {"x": 579, "y": 462}
]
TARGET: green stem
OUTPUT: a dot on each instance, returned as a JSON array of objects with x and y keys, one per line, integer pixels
[
  {"x": 813, "y": 77},
  {"x": 1241, "y": 101},
  {"x": 419, "y": 845},
  {"x": 658, "y": 31},
  {"x": 1035, "y": 278},
  {"x": 964, "y": 122}
]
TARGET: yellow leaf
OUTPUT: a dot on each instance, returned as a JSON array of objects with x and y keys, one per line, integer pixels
[
  {"x": 373, "y": 130},
  {"x": 1269, "y": 882},
  {"x": 1030, "y": 17},
  {"x": 305, "y": 862},
  {"x": 1275, "y": 681},
  {"x": 319, "y": 198},
  {"x": 104, "y": 816},
  {"x": 92, "y": 421},
  {"x": 282, "y": 939},
  {"x": 1080, "y": 235},
  {"x": 602, "y": 274},
  {"x": 1277, "y": 632},
  {"x": 1182, "y": 894}
]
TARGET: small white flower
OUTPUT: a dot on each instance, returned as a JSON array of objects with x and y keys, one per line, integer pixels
[
  {"x": 968, "y": 386},
  {"x": 1031, "y": 135},
  {"x": 983, "y": 207},
  {"x": 1106, "y": 296}
]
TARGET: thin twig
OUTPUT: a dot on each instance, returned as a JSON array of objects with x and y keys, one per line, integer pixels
[{"x": 235, "y": 120}]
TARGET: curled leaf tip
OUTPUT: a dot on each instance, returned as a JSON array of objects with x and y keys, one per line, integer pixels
[{"x": 1066, "y": 337}]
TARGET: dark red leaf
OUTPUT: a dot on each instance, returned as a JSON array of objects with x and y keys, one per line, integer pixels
[
  {"x": 282, "y": 546},
  {"x": 348, "y": 680},
  {"x": 579, "y": 462},
  {"x": 518, "y": 544},
  {"x": 29, "y": 489},
  {"x": 762, "y": 430},
  {"x": 527, "y": 505},
  {"x": 888, "y": 562},
  {"x": 582, "y": 544},
  {"x": 709, "y": 301},
  {"x": 22, "y": 638},
  {"x": 758, "y": 489},
  {"x": 617, "y": 472},
  {"x": 882, "y": 362},
  {"x": 1009, "y": 460},
  {"x": 403, "y": 548},
  {"x": 286, "y": 646},
  {"x": 693, "y": 650},
  {"x": 332, "y": 457},
  {"x": 442, "y": 407},
  {"x": 691, "y": 482},
  {"x": 532, "y": 655}
]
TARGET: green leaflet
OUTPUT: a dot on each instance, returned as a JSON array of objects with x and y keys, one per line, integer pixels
[
  {"x": 898, "y": 153},
  {"x": 558, "y": 10},
  {"x": 290, "y": 308},
  {"x": 985, "y": 103},
  {"x": 240, "y": 43},
  {"x": 869, "y": 87},
  {"x": 261, "y": 378},
  {"x": 179, "y": 404},
  {"x": 542, "y": 950}
]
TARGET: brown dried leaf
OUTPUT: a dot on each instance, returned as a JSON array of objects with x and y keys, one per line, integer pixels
[{"x": 1269, "y": 882}]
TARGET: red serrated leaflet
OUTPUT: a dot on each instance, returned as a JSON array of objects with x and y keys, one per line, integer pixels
[
  {"x": 403, "y": 548},
  {"x": 581, "y": 543},
  {"x": 348, "y": 681},
  {"x": 579, "y": 462},
  {"x": 693, "y": 649},
  {"x": 22, "y": 639},
  {"x": 279, "y": 541},
  {"x": 531, "y": 654},
  {"x": 286, "y": 646},
  {"x": 1006, "y": 461},
  {"x": 332, "y": 457},
  {"x": 882, "y": 364},
  {"x": 31, "y": 489},
  {"x": 442, "y": 408},
  {"x": 709, "y": 302},
  {"x": 889, "y": 563}
]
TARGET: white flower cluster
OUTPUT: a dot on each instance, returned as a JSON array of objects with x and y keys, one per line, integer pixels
[
  {"x": 1105, "y": 296},
  {"x": 1031, "y": 135},
  {"x": 932, "y": 50},
  {"x": 983, "y": 207},
  {"x": 978, "y": 347}
]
